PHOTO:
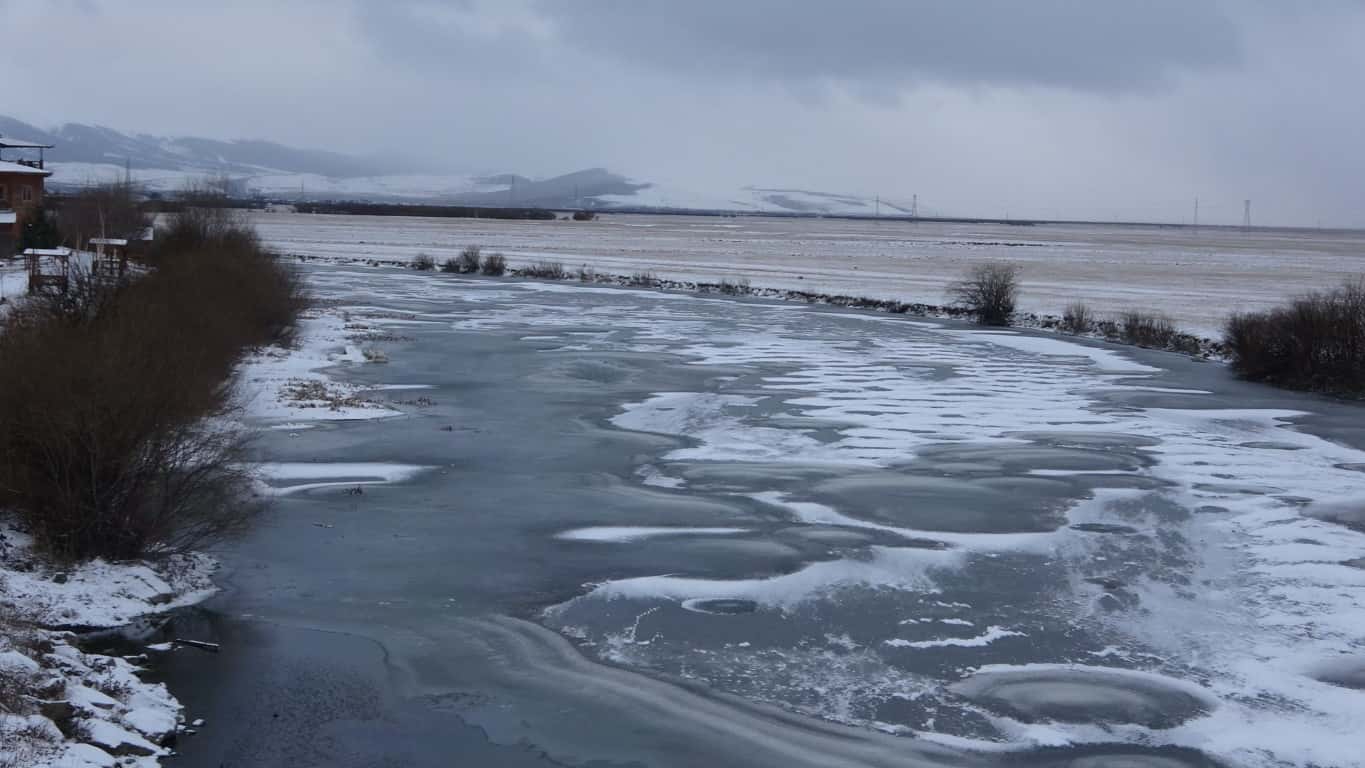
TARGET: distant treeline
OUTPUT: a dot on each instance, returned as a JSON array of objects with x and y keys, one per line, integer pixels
[{"x": 440, "y": 211}]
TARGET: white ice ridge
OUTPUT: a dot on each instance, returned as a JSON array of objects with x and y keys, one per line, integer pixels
[
  {"x": 888, "y": 567},
  {"x": 623, "y": 533},
  {"x": 991, "y": 634},
  {"x": 331, "y": 474},
  {"x": 1104, "y": 359}
]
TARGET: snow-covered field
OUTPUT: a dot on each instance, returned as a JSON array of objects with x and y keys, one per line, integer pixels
[{"x": 1195, "y": 276}]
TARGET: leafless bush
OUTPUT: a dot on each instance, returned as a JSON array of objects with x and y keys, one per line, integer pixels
[
  {"x": 584, "y": 216},
  {"x": 17, "y": 633},
  {"x": 989, "y": 291},
  {"x": 423, "y": 262},
  {"x": 495, "y": 265},
  {"x": 738, "y": 287},
  {"x": 108, "y": 210},
  {"x": 21, "y": 743},
  {"x": 1317, "y": 342},
  {"x": 470, "y": 260},
  {"x": 643, "y": 280},
  {"x": 114, "y": 436},
  {"x": 451, "y": 265},
  {"x": 548, "y": 270},
  {"x": 1146, "y": 329},
  {"x": 1077, "y": 318},
  {"x": 587, "y": 274},
  {"x": 203, "y": 221}
]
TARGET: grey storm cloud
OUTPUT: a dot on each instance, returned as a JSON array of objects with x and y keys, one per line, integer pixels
[
  {"x": 1068, "y": 43},
  {"x": 1093, "y": 108},
  {"x": 1079, "y": 44}
]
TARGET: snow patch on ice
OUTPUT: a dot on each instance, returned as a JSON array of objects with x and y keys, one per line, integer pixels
[
  {"x": 625, "y": 533},
  {"x": 985, "y": 638}
]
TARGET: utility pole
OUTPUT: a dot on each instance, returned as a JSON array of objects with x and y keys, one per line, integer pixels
[
  {"x": 127, "y": 171},
  {"x": 914, "y": 206},
  {"x": 1196, "y": 212},
  {"x": 1246, "y": 214},
  {"x": 879, "y": 206}
]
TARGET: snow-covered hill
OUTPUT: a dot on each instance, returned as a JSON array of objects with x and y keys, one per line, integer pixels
[{"x": 85, "y": 155}]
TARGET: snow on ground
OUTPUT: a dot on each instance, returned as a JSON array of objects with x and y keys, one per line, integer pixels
[
  {"x": 291, "y": 386},
  {"x": 97, "y": 593},
  {"x": 13, "y": 281},
  {"x": 1196, "y": 276},
  {"x": 108, "y": 709}
]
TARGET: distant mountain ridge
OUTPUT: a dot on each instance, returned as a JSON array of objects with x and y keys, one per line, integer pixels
[
  {"x": 79, "y": 143},
  {"x": 86, "y": 154}
]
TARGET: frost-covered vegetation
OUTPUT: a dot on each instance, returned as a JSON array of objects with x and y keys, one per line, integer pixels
[
  {"x": 989, "y": 292},
  {"x": 1316, "y": 342},
  {"x": 545, "y": 270},
  {"x": 469, "y": 262},
  {"x": 495, "y": 265}
]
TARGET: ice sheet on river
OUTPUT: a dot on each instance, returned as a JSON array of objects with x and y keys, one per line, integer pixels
[{"x": 1005, "y": 508}]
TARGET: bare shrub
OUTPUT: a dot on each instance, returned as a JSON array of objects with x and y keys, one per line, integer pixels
[
  {"x": 495, "y": 265},
  {"x": 1146, "y": 329},
  {"x": 738, "y": 287},
  {"x": 451, "y": 265},
  {"x": 1077, "y": 318},
  {"x": 587, "y": 274},
  {"x": 206, "y": 221},
  {"x": 22, "y": 687},
  {"x": 115, "y": 436},
  {"x": 17, "y": 632},
  {"x": 108, "y": 210},
  {"x": 548, "y": 270},
  {"x": 470, "y": 260},
  {"x": 643, "y": 280},
  {"x": 1317, "y": 342},
  {"x": 214, "y": 270},
  {"x": 989, "y": 291},
  {"x": 423, "y": 262},
  {"x": 584, "y": 216}
]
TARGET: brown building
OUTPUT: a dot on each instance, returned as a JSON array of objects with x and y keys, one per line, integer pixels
[{"x": 21, "y": 181}]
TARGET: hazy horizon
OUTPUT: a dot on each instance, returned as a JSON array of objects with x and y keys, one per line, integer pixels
[{"x": 1051, "y": 110}]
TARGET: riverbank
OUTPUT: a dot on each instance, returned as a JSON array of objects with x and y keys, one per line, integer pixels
[
  {"x": 1100, "y": 328},
  {"x": 66, "y": 706}
]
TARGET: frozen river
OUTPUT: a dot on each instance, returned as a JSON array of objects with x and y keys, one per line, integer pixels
[
  {"x": 613, "y": 527},
  {"x": 1197, "y": 276}
]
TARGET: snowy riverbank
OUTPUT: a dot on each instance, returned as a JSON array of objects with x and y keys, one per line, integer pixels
[{"x": 63, "y": 707}]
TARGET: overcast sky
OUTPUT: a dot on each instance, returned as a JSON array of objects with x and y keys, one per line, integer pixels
[{"x": 1075, "y": 108}]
